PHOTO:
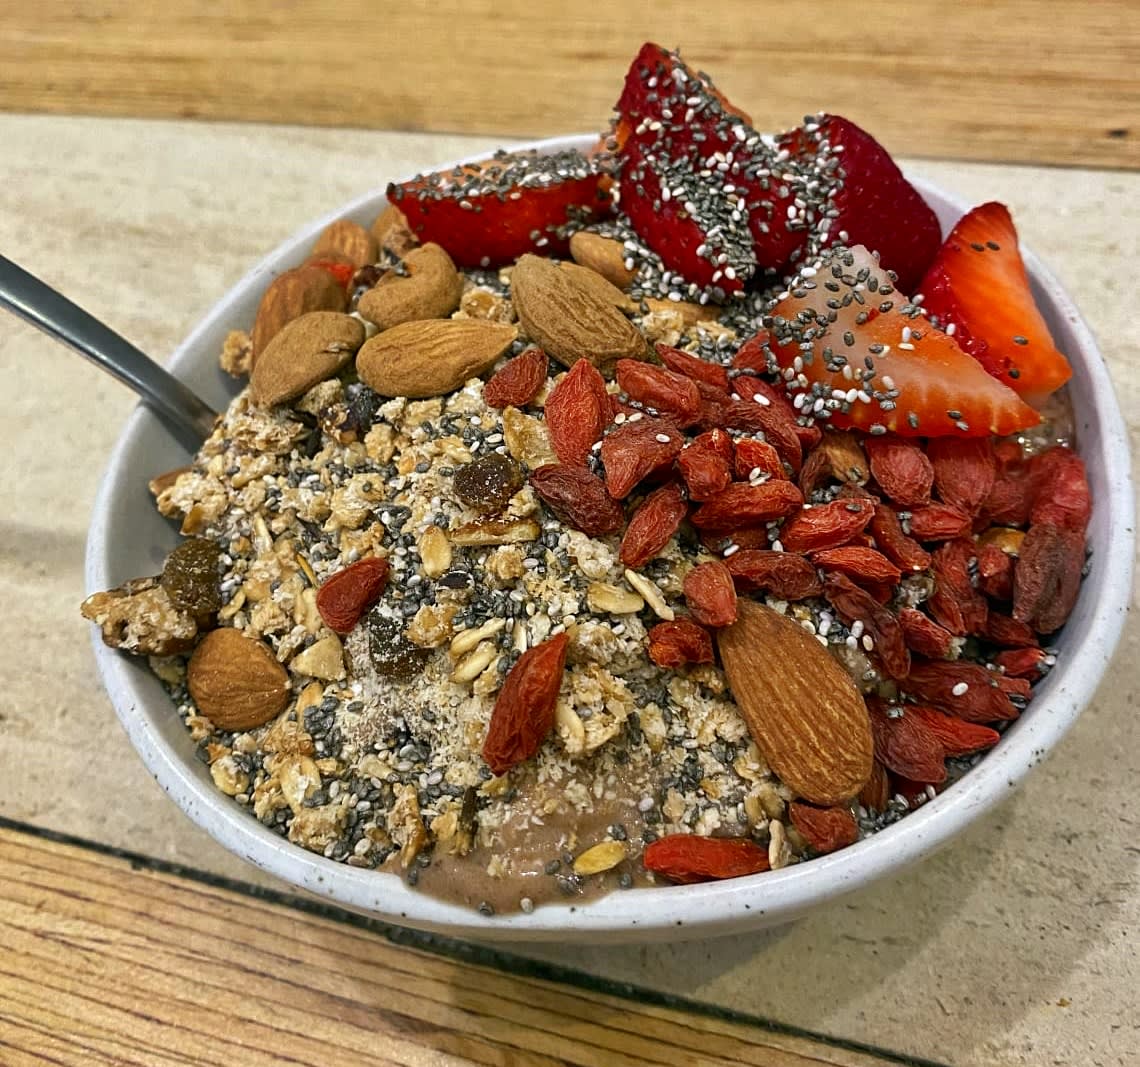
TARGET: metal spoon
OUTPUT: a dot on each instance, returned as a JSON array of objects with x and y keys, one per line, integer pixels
[{"x": 185, "y": 414}]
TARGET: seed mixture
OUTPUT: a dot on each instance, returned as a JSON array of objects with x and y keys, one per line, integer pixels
[{"x": 680, "y": 594}]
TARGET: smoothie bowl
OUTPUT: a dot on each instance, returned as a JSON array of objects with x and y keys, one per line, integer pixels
[{"x": 621, "y": 538}]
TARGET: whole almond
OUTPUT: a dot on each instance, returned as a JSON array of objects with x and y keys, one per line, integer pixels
[
  {"x": 568, "y": 319},
  {"x": 431, "y": 290},
  {"x": 306, "y": 351},
  {"x": 392, "y": 231},
  {"x": 291, "y": 295},
  {"x": 236, "y": 680},
  {"x": 349, "y": 239},
  {"x": 605, "y": 255},
  {"x": 432, "y": 357},
  {"x": 802, "y": 708}
]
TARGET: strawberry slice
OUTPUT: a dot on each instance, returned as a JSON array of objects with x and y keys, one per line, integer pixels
[
  {"x": 858, "y": 352},
  {"x": 978, "y": 283},
  {"x": 490, "y": 213},
  {"x": 874, "y": 204}
]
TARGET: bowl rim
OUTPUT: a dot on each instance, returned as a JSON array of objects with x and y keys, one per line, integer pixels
[{"x": 679, "y": 911}]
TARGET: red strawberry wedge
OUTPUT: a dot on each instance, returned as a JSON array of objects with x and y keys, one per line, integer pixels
[
  {"x": 855, "y": 349},
  {"x": 978, "y": 284},
  {"x": 488, "y": 214}
]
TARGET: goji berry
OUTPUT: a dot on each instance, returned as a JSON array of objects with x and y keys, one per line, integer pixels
[
  {"x": 518, "y": 381},
  {"x": 938, "y": 522},
  {"x": 637, "y": 449},
  {"x": 995, "y": 572},
  {"x": 710, "y": 594},
  {"x": 905, "y": 744},
  {"x": 967, "y": 690},
  {"x": 924, "y": 636},
  {"x": 876, "y": 794},
  {"x": 578, "y": 498},
  {"x": 809, "y": 434},
  {"x": 958, "y": 737},
  {"x": 860, "y": 564},
  {"x": 1047, "y": 579},
  {"x": 577, "y": 411},
  {"x": 964, "y": 470},
  {"x": 1021, "y": 663},
  {"x": 763, "y": 408},
  {"x": 524, "y": 709},
  {"x": 751, "y": 455},
  {"x": 663, "y": 390},
  {"x": 343, "y": 598},
  {"x": 905, "y": 552},
  {"x": 826, "y": 525},
  {"x": 655, "y": 520},
  {"x": 1009, "y": 633},
  {"x": 853, "y": 604},
  {"x": 704, "y": 468},
  {"x": 1062, "y": 496},
  {"x": 742, "y": 504},
  {"x": 901, "y": 469},
  {"x": 786, "y": 575},
  {"x": 673, "y": 644},
  {"x": 755, "y": 354},
  {"x": 955, "y": 603},
  {"x": 825, "y": 829},
  {"x": 688, "y": 858},
  {"x": 701, "y": 370}
]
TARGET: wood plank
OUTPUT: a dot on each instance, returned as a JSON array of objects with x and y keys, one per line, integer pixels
[
  {"x": 107, "y": 963},
  {"x": 1010, "y": 80}
]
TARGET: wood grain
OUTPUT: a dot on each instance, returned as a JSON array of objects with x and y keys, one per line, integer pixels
[
  {"x": 108, "y": 964},
  {"x": 1009, "y": 80}
]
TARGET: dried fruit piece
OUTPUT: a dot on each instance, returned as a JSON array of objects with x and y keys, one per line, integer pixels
[
  {"x": 896, "y": 545},
  {"x": 1048, "y": 576},
  {"x": 964, "y": 470},
  {"x": 688, "y": 858},
  {"x": 783, "y": 574},
  {"x": 637, "y": 449},
  {"x": 517, "y": 382},
  {"x": 958, "y": 737},
  {"x": 964, "y": 689},
  {"x": 191, "y": 579},
  {"x": 938, "y": 522},
  {"x": 577, "y": 412},
  {"x": 655, "y": 521},
  {"x": 488, "y": 483},
  {"x": 677, "y": 642},
  {"x": 905, "y": 744},
  {"x": 746, "y": 505},
  {"x": 236, "y": 680},
  {"x": 924, "y": 636},
  {"x": 853, "y": 604},
  {"x": 826, "y": 525},
  {"x": 704, "y": 467},
  {"x": 859, "y": 563},
  {"x": 348, "y": 594},
  {"x": 710, "y": 594},
  {"x": 578, "y": 498},
  {"x": 524, "y": 709},
  {"x": 392, "y": 654},
  {"x": 901, "y": 468},
  {"x": 751, "y": 455},
  {"x": 955, "y": 603},
  {"x": 807, "y": 718},
  {"x": 700, "y": 370},
  {"x": 665, "y": 391},
  {"x": 825, "y": 829}
]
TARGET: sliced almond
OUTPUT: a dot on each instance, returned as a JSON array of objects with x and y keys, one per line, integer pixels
[
  {"x": 348, "y": 239},
  {"x": 236, "y": 680},
  {"x": 603, "y": 856},
  {"x": 568, "y": 318},
  {"x": 431, "y": 289},
  {"x": 601, "y": 596},
  {"x": 495, "y": 532},
  {"x": 431, "y": 358},
  {"x": 289, "y": 296},
  {"x": 306, "y": 351},
  {"x": 604, "y": 255},
  {"x": 801, "y": 706},
  {"x": 435, "y": 552}
]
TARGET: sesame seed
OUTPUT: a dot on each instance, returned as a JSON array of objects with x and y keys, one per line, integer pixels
[{"x": 960, "y": 689}]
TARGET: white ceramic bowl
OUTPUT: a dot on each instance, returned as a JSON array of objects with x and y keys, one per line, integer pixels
[{"x": 128, "y": 538}]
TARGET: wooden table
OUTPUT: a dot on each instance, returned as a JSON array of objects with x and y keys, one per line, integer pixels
[{"x": 131, "y": 938}]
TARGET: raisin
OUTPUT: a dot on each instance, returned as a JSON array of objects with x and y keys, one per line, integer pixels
[
  {"x": 488, "y": 483},
  {"x": 191, "y": 579},
  {"x": 1047, "y": 579},
  {"x": 393, "y": 655}
]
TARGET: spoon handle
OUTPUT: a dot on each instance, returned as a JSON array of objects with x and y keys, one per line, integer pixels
[{"x": 183, "y": 411}]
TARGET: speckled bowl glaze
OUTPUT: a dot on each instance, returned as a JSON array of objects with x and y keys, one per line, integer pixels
[{"x": 127, "y": 538}]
